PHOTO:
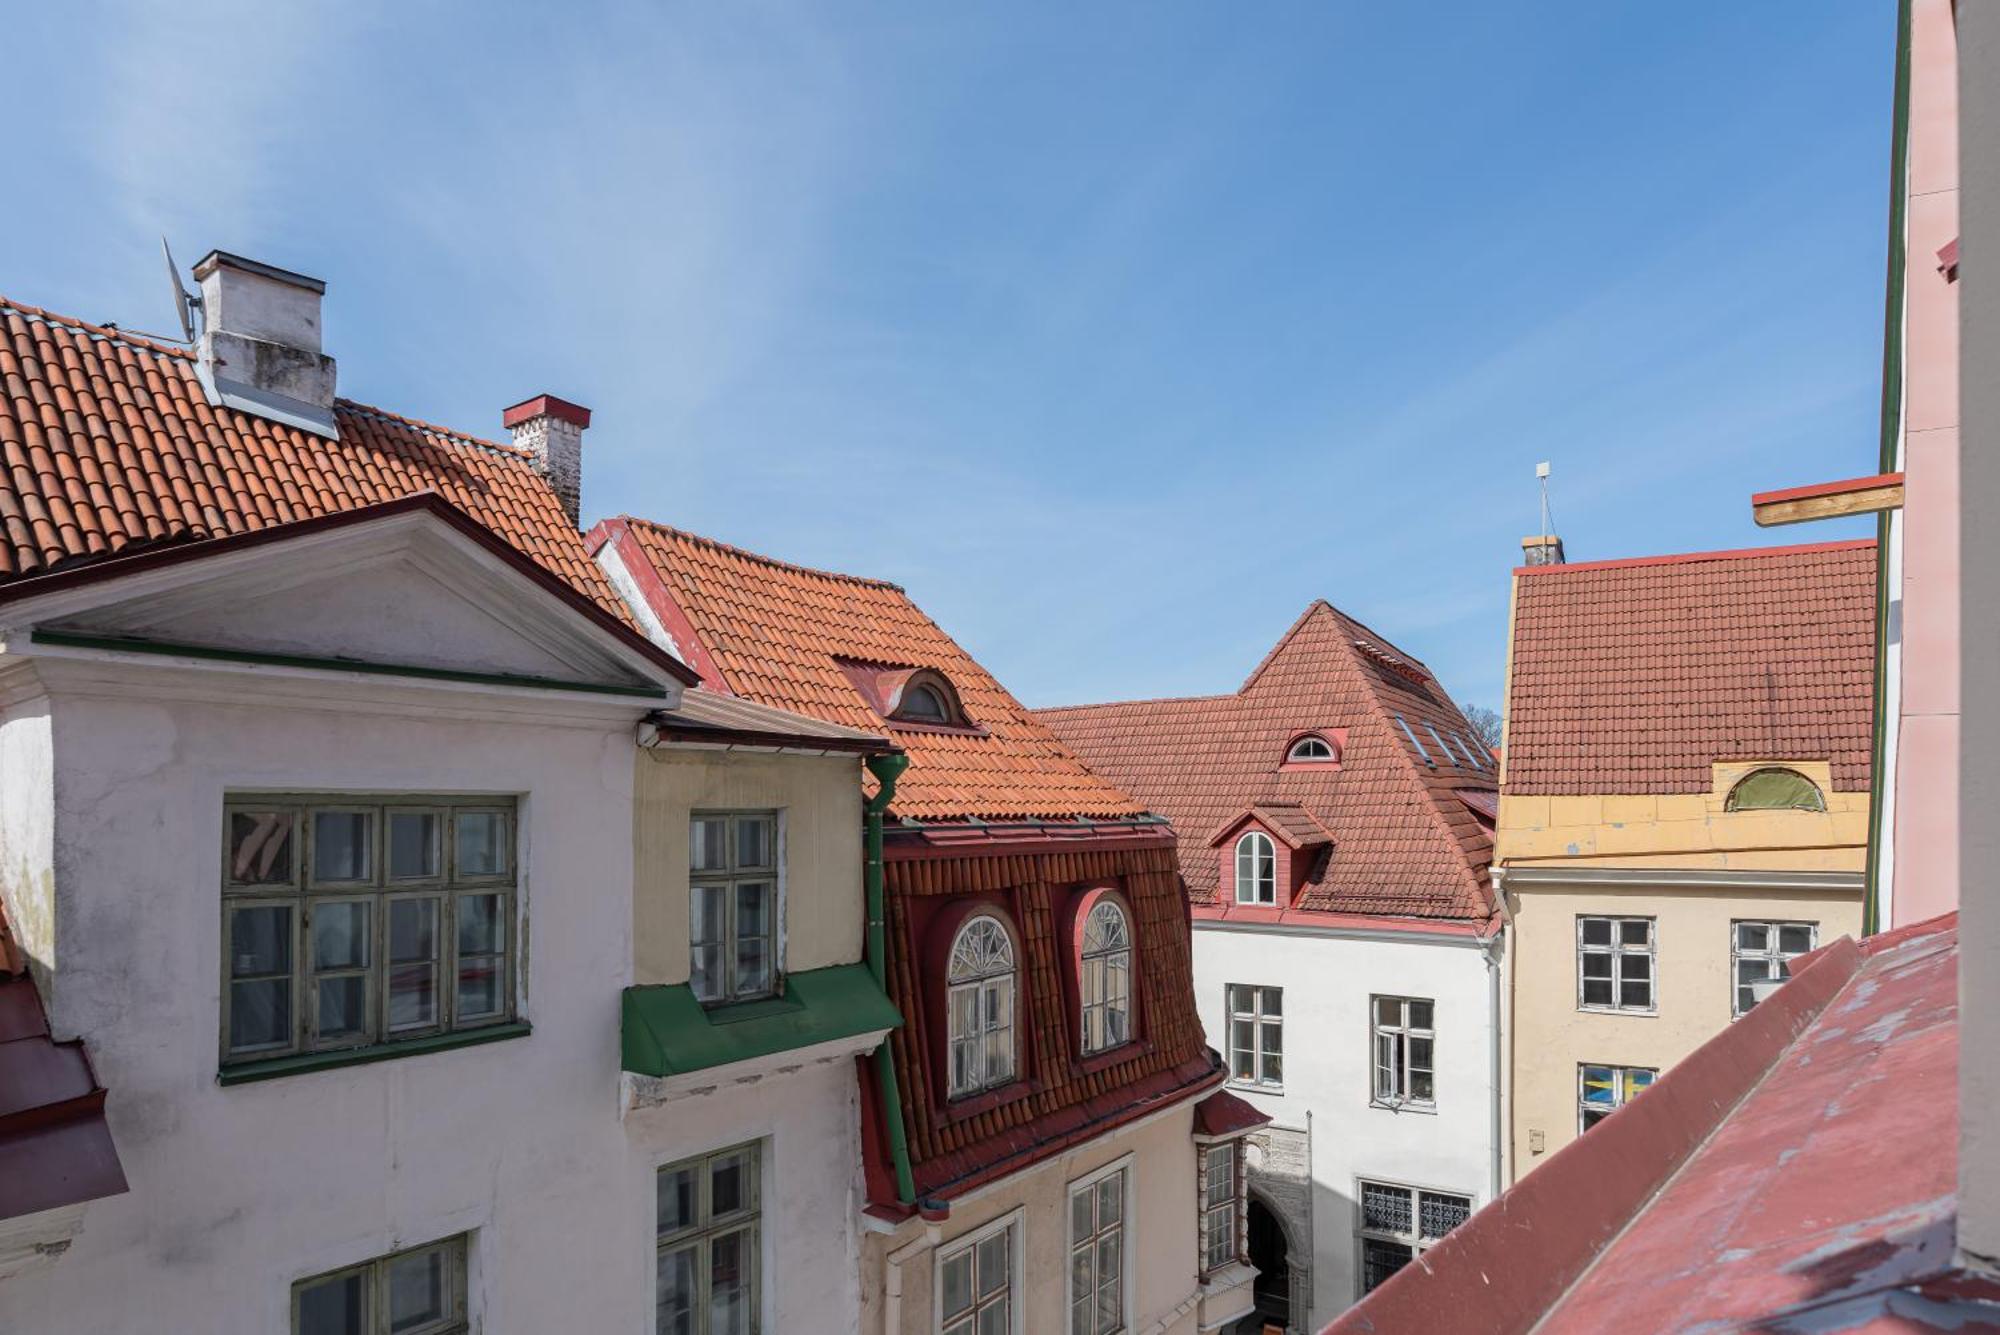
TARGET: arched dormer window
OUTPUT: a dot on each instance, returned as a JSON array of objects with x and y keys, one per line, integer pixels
[
  {"x": 1256, "y": 869},
  {"x": 1310, "y": 748},
  {"x": 1105, "y": 977},
  {"x": 1775, "y": 789},
  {"x": 923, "y": 696},
  {"x": 922, "y": 704},
  {"x": 980, "y": 996}
]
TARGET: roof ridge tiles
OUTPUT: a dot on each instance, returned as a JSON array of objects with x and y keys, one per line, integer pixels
[
  {"x": 512, "y": 452},
  {"x": 1692, "y": 558},
  {"x": 746, "y": 554},
  {"x": 107, "y": 332},
  {"x": 1137, "y": 700}
]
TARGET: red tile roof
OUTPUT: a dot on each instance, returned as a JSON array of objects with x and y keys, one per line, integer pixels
[
  {"x": 1797, "y": 1172},
  {"x": 782, "y": 635},
  {"x": 109, "y": 445},
  {"x": 1635, "y": 676},
  {"x": 1405, "y": 844}
]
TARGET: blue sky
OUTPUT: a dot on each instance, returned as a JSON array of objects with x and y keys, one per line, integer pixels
[{"x": 1116, "y": 333}]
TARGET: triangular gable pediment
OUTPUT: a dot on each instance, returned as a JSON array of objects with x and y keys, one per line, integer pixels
[
  {"x": 406, "y": 586},
  {"x": 1290, "y": 824}
]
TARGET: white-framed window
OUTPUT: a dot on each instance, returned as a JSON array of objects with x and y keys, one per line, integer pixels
[
  {"x": 1256, "y": 869},
  {"x": 978, "y": 1281},
  {"x": 1256, "y": 1035},
  {"x": 1603, "y": 1090},
  {"x": 1221, "y": 1187},
  {"x": 1614, "y": 964},
  {"x": 733, "y": 905},
  {"x": 1098, "y": 1217},
  {"x": 1104, "y": 977},
  {"x": 707, "y": 1245},
  {"x": 1311, "y": 747},
  {"x": 980, "y": 997},
  {"x": 1764, "y": 950},
  {"x": 353, "y": 921},
  {"x": 1399, "y": 1222},
  {"x": 1405, "y": 1061},
  {"x": 419, "y": 1291}
]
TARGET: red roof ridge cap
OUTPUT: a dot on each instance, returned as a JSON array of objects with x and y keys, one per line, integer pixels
[
  {"x": 1139, "y": 700},
  {"x": 430, "y": 428},
  {"x": 1314, "y": 607},
  {"x": 1688, "y": 558},
  {"x": 746, "y": 554},
  {"x": 109, "y": 332}
]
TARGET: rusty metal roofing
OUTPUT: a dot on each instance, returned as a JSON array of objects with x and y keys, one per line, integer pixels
[
  {"x": 1405, "y": 843},
  {"x": 108, "y": 445},
  {"x": 782, "y": 635},
  {"x": 1797, "y": 1173},
  {"x": 1636, "y": 676}
]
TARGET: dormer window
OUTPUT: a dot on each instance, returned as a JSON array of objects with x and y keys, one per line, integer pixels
[
  {"x": 1256, "y": 869},
  {"x": 922, "y": 703},
  {"x": 1775, "y": 789},
  {"x": 913, "y": 697},
  {"x": 1309, "y": 749}
]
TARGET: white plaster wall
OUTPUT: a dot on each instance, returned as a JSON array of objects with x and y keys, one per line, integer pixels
[
  {"x": 237, "y": 1192},
  {"x": 1328, "y": 981},
  {"x": 27, "y": 825}
]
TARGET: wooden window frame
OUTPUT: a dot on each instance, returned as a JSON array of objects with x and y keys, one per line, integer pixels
[
  {"x": 1264, "y": 869},
  {"x": 1619, "y": 951},
  {"x": 1006, "y": 981},
  {"x": 1091, "y": 1183},
  {"x": 1229, "y": 1213},
  {"x": 1775, "y": 955},
  {"x": 455, "y": 1322},
  {"x": 1013, "y": 1224},
  {"x": 305, "y": 896},
  {"x": 1583, "y": 1110},
  {"x": 1402, "y": 1034},
  {"x": 1258, "y": 1018},
  {"x": 1414, "y": 1239},
  {"x": 729, "y": 878},
  {"x": 707, "y": 1227},
  {"x": 1095, "y": 975}
]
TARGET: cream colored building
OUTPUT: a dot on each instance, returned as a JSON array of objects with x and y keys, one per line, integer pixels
[{"x": 1684, "y": 809}]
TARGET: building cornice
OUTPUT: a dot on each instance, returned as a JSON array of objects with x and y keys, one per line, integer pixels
[{"x": 1678, "y": 878}]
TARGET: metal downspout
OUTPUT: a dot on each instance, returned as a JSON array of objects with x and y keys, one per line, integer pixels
[
  {"x": 1490, "y": 951},
  {"x": 886, "y": 769}
]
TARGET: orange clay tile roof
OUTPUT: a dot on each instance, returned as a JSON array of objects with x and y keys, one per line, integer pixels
[
  {"x": 1405, "y": 844},
  {"x": 776, "y": 633},
  {"x": 109, "y": 446},
  {"x": 1635, "y": 676}
]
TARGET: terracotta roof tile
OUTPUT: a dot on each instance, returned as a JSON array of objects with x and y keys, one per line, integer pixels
[
  {"x": 1405, "y": 844},
  {"x": 778, "y": 633},
  {"x": 1636, "y": 676},
  {"x": 108, "y": 444}
]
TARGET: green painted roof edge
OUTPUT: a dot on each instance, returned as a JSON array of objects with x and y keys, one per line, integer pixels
[{"x": 666, "y": 1032}]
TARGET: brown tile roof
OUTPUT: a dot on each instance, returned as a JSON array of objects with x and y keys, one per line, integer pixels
[
  {"x": 1405, "y": 844},
  {"x": 108, "y": 445},
  {"x": 778, "y": 634},
  {"x": 1635, "y": 676}
]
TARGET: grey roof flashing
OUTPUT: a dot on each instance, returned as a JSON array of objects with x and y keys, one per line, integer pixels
[
  {"x": 216, "y": 258},
  {"x": 282, "y": 408}
]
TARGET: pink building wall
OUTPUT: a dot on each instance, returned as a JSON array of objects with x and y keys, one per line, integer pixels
[{"x": 1926, "y": 802}]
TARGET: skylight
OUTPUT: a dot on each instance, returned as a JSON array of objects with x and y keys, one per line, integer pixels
[
  {"x": 1414, "y": 742},
  {"x": 1451, "y": 756}
]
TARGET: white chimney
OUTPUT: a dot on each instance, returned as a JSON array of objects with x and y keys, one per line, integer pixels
[
  {"x": 1544, "y": 549},
  {"x": 551, "y": 431},
  {"x": 260, "y": 341}
]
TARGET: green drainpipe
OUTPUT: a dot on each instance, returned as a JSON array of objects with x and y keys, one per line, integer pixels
[{"x": 886, "y": 769}]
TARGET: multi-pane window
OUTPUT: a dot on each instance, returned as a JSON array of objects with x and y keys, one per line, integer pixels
[
  {"x": 1256, "y": 869},
  {"x": 1404, "y": 1058},
  {"x": 416, "y": 1292},
  {"x": 732, "y": 905},
  {"x": 1614, "y": 963},
  {"x": 980, "y": 996},
  {"x": 1603, "y": 1090},
  {"x": 1097, "y": 1255},
  {"x": 976, "y": 1282},
  {"x": 1256, "y": 1035},
  {"x": 706, "y": 1230},
  {"x": 1105, "y": 978},
  {"x": 351, "y": 921},
  {"x": 1398, "y": 1222},
  {"x": 1761, "y": 951},
  {"x": 1221, "y": 1197}
]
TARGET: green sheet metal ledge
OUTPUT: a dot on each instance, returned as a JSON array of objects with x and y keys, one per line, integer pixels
[{"x": 666, "y": 1032}]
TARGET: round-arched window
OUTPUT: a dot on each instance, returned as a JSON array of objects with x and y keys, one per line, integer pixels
[
  {"x": 923, "y": 704},
  {"x": 1256, "y": 869},
  {"x": 1105, "y": 978},
  {"x": 1310, "y": 747},
  {"x": 980, "y": 996},
  {"x": 1775, "y": 789}
]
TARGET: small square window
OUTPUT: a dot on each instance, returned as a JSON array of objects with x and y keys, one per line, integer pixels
[{"x": 1614, "y": 964}]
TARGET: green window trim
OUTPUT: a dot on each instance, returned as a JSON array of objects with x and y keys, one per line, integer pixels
[
  {"x": 666, "y": 1031},
  {"x": 244, "y": 1073}
]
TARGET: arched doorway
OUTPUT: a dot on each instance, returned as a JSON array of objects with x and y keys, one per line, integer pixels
[{"x": 1270, "y": 1252}]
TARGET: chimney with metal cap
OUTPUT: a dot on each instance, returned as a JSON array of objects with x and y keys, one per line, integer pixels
[
  {"x": 1544, "y": 549},
  {"x": 551, "y": 431},
  {"x": 260, "y": 342}
]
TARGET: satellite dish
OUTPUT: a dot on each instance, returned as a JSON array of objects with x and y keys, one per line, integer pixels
[{"x": 185, "y": 302}]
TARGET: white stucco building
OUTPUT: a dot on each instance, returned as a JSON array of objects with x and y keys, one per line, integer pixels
[{"x": 1335, "y": 828}]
